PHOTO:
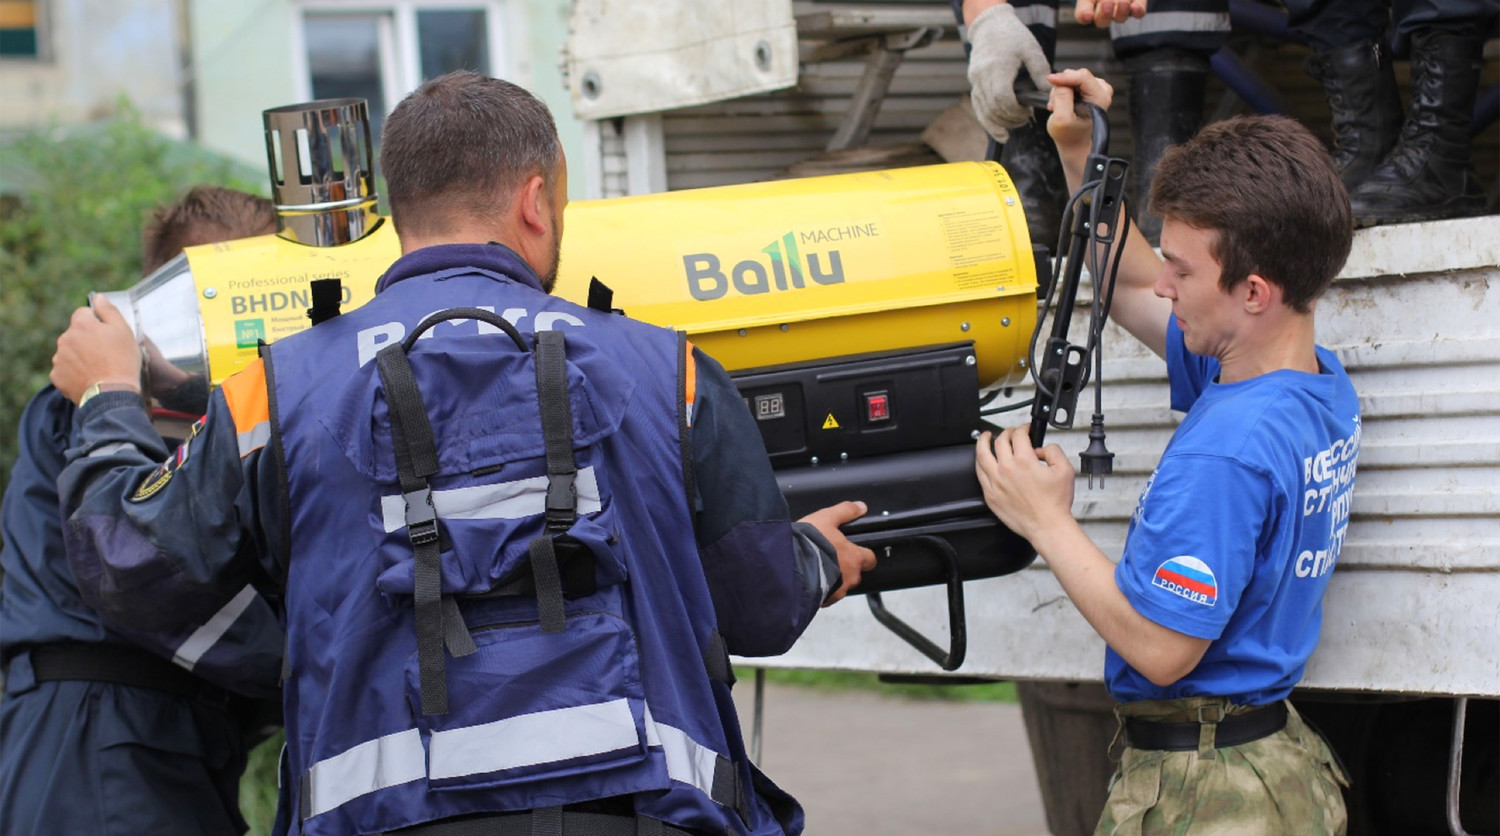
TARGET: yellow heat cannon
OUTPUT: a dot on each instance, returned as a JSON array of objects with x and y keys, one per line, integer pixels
[
  {"x": 797, "y": 270},
  {"x": 757, "y": 275},
  {"x": 859, "y": 314}
]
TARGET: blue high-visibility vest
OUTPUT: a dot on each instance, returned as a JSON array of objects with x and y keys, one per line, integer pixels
[{"x": 619, "y": 700}]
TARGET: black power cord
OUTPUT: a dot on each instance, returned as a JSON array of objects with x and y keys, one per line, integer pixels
[{"x": 1091, "y": 237}]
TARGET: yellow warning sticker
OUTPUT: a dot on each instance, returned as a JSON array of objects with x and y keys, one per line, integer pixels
[{"x": 830, "y": 423}]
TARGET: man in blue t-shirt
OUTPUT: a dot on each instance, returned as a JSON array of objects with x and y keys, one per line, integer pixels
[{"x": 1216, "y": 603}]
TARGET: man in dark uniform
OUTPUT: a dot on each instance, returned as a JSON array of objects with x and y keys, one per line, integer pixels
[
  {"x": 1166, "y": 52},
  {"x": 1400, "y": 167},
  {"x": 99, "y": 732},
  {"x": 511, "y": 584}
]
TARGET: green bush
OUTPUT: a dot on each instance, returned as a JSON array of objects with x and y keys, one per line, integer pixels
[
  {"x": 258, "y": 786},
  {"x": 70, "y": 222}
]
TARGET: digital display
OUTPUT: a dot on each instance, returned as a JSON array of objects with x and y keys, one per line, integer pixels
[{"x": 770, "y": 407}]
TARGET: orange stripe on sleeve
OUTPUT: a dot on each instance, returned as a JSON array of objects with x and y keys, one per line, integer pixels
[{"x": 245, "y": 392}]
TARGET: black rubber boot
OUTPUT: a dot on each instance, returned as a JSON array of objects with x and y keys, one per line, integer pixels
[
  {"x": 1166, "y": 108},
  {"x": 1030, "y": 158},
  {"x": 1429, "y": 174},
  {"x": 1361, "y": 89}
]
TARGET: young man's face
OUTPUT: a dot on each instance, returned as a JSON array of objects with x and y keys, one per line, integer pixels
[{"x": 1190, "y": 280}]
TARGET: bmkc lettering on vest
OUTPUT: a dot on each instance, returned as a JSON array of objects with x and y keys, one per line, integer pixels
[{"x": 371, "y": 340}]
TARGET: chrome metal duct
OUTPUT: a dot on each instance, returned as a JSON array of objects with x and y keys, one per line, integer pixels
[{"x": 322, "y": 164}]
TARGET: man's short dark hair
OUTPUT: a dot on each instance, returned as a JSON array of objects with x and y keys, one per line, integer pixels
[
  {"x": 204, "y": 215},
  {"x": 1269, "y": 190},
  {"x": 460, "y": 145}
]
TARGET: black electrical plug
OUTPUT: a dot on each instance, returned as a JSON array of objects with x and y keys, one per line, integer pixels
[{"x": 1096, "y": 460}]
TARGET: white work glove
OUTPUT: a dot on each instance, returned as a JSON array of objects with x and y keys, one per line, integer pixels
[{"x": 1000, "y": 44}]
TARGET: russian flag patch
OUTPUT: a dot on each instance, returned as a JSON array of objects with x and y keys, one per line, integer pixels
[{"x": 1189, "y": 578}]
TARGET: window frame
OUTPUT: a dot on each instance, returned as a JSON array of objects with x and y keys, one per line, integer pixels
[
  {"x": 400, "y": 53},
  {"x": 41, "y": 29}
]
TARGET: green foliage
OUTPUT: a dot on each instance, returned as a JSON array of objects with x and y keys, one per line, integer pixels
[
  {"x": 70, "y": 222},
  {"x": 258, "y": 786}
]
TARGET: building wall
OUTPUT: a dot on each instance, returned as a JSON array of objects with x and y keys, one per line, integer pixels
[
  {"x": 250, "y": 57},
  {"x": 93, "y": 53},
  {"x": 537, "y": 66},
  {"x": 241, "y": 65}
]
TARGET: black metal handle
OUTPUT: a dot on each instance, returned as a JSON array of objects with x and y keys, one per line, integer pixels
[
  {"x": 958, "y": 633},
  {"x": 464, "y": 313}
]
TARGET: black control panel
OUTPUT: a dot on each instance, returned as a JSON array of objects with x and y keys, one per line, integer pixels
[{"x": 864, "y": 405}]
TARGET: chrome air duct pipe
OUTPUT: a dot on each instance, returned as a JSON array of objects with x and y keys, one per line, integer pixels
[
  {"x": 200, "y": 317},
  {"x": 322, "y": 171}
]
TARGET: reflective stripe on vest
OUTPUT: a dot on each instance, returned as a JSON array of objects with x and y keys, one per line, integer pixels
[
  {"x": 373, "y": 765},
  {"x": 504, "y": 501},
  {"x": 687, "y": 761},
  {"x": 254, "y": 438},
  {"x": 533, "y": 739},
  {"x": 528, "y": 740}
]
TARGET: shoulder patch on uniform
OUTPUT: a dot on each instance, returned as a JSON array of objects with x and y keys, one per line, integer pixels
[
  {"x": 163, "y": 473},
  {"x": 1189, "y": 578}
]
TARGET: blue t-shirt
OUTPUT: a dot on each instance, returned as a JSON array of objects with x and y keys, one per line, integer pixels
[{"x": 1236, "y": 532}]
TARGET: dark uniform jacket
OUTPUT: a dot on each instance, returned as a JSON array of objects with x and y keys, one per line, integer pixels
[{"x": 79, "y": 756}]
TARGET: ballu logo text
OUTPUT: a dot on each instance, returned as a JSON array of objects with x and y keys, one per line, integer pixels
[{"x": 783, "y": 267}]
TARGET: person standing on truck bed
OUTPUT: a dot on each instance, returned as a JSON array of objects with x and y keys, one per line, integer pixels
[
  {"x": 1166, "y": 53},
  {"x": 516, "y": 553},
  {"x": 103, "y": 729},
  {"x": 1216, "y": 603}
]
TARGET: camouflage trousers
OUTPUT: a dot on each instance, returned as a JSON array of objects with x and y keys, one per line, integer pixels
[{"x": 1284, "y": 784}]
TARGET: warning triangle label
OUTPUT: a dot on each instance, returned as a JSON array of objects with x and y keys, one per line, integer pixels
[{"x": 830, "y": 423}]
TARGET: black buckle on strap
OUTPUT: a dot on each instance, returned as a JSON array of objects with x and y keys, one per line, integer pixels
[
  {"x": 562, "y": 501},
  {"x": 423, "y": 533},
  {"x": 421, "y": 517}
]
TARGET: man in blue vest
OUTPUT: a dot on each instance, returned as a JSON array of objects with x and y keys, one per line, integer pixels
[
  {"x": 1215, "y": 605},
  {"x": 106, "y": 730},
  {"x": 517, "y": 547}
]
